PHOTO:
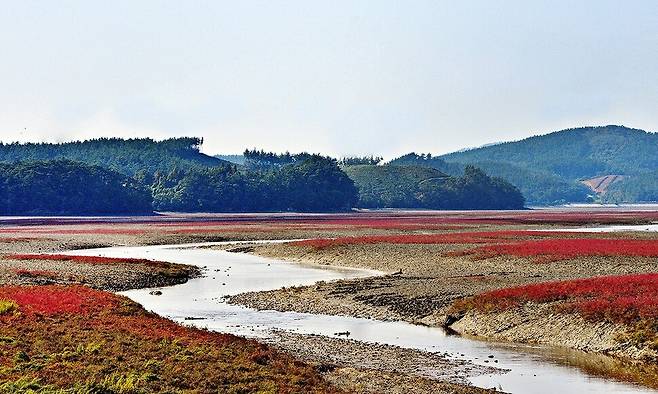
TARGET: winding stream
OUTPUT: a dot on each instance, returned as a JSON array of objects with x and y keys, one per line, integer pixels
[{"x": 533, "y": 369}]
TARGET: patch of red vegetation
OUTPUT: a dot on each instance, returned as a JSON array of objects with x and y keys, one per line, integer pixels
[
  {"x": 21, "y": 239},
  {"x": 625, "y": 299},
  {"x": 206, "y": 223},
  {"x": 100, "y": 231},
  {"x": 81, "y": 231},
  {"x": 93, "y": 340},
  {"x": 479, "y": 237},
  {"x": 36, "y": 273},
  {"x": 84, "y": 259},
  {"x": 205, "y": 230},
  {"x": 51, "y": 300},
  {"x": 408, "y": 223},
  {"x": 583, "y": 218},
  {"x": 546, "y": 250},
  {"x": 387, "y": 223}
]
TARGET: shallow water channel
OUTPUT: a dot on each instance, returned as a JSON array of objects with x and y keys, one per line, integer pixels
[{"x": 532, "y": 369}]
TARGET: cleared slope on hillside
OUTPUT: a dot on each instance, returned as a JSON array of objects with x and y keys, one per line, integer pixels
[{"x": 600, "y": 184}]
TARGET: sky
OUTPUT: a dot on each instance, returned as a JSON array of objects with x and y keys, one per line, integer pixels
[{"x": 335, "y": 77}]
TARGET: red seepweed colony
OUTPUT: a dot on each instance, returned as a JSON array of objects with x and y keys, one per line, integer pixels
[
  {"x": 51, "y": 300},
  {"x": 84, "y": 259},
  {"x": 547, "y": 250},
  {"x": 478, "y": 237},
  {"x": 623, "y": 299}
]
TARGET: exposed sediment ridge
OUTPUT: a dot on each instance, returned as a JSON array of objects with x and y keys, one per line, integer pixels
[
  {"x": 539, "y": 324},
  {"x": 374, "y": 366}
]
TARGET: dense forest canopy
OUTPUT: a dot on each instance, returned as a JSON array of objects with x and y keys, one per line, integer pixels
[
  {"x": 424, "y": 187},
  {"x": 306, "y": 183},
  {"x": 539, "y": 187},
  {"x": 235, "y": 159},
  {"x": 548, "y": 169},
  {"x": 68, "y": 188},
  {"x": 427, "y": 160},
  {"x": 127, "y": 156},
  {"x": 112, "y": 175},
  {"x": 575, "y": 153},
  {"x": 388, "y": 186}
]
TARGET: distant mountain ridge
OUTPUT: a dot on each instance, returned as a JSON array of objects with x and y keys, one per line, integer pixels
[
  {"x": 549, "y": 169},
  {"x": 573, "y": 154}
]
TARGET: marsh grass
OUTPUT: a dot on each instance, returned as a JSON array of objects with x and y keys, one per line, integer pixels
[{"x": 8, "y": 307}]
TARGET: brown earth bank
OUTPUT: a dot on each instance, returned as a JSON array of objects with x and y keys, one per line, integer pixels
[{"x": 539, "y": 323}]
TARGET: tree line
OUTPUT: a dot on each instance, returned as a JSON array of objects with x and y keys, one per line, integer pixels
[
  {"x": 110, "y": 176},
  {"x": 66, "y": 187},
  {"x": 311, "y": 183},
  {"x": 391, "y": 186}
]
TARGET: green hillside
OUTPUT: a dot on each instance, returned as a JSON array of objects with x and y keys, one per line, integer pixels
[
  {"x": 548, "y": 168},
  {"x": 391, "y": 186},
  {"x": 574, "y": 153},
  {"x": 65, "y": 187},
  {"x": 127, "y": 156},
  {"x": 383, "y": 186},
  {"x": 634, "y": 188},
  {"x": 539, "y": 187}
]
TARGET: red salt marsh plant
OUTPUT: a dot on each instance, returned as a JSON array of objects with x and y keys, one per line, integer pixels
[
  {"x": 50, "y": 300},
  {"x": 75, "y": 339},
  {"x": 21, "y": 239},
  {"x": 36, "y": 273},
  {"x": 480, "y": 237},
  {"x": 622, "y": 299},
  {"x": 560, "y": 217},
  {"x": 70, "y": 231},
  {"x": 85, "y": 259},
  {"x": 546, "y": 250}
]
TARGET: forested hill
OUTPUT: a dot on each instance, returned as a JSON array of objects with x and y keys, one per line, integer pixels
[
  {"x": 574, "y": 153},
  {"x": 549, "y": 169},
  {"x": 391, "y": 186},
  {"x": 127, "y": 156},
  {"x": 539, "y": 187},
  {"x": 64, "y": 187}
]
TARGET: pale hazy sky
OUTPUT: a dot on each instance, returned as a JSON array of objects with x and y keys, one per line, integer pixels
[{"x": 338, "y": 77}]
